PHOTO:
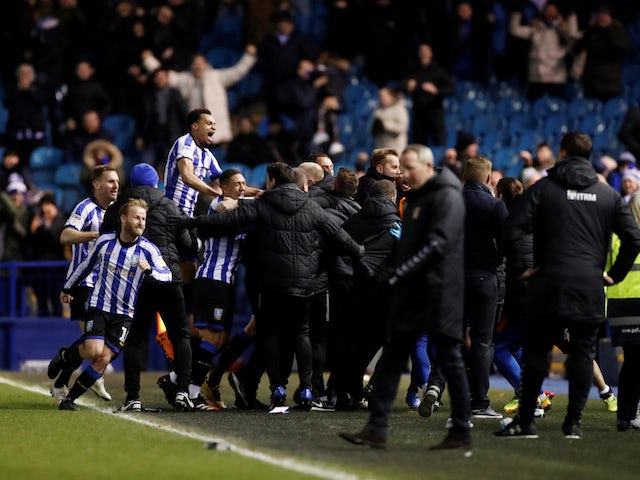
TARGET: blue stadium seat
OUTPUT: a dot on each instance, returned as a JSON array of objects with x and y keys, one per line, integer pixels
[
  {"x": 4, "y": 116},
  {"x": 438, "y": 153},
  {"x": 475, "y": 106},
  {"x": 263, "y": 125},
  {"x": 123, "y": 127},
  {"x": 493, "y": 139},
  {"x": 592, "y": 123},
  {"x": 579, "y": 107},
  {"x": 469, "y": 90},
  {"x": 222, "y": 57},
  {"x": 68, "y": 175},
  {"x": 70, "y": 198},
  {"x": 557, "y": 124},
  {"x": 507, "y": 107},
  {"x": 544, "y": 106},
  {"x": 523, "y": 121},
  {"x": 45, "y": 158},
  {"x": 241, "y": 167},
  {"x": 506, "y": 157},
  {"x": 43, "y": 177},
  {"x": 258, "y": 175},
  {"x": 485, "y": 123},
  {"x": 529, "y": 139},
  {"x": 615, "y": 108},
  {"x": 53, "y": 189}
]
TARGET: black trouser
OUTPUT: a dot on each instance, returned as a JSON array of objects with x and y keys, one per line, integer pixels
[
  {"x": 480, "y": 297},
  {"x": 629, "y": 383},
  {"x": 168, "y": 300},
  {"x": 319, "y": 338},
  {"x": 282, "y": 329},
  {"x": 428, "y": 127},
  {"x": 580, "y": 343},
  {"x": 394, "y": 358}
]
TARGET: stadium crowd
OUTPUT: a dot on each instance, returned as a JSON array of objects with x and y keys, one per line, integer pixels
[{"x": 312, "y": 239}]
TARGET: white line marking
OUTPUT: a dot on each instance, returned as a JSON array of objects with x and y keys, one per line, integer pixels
[{"x": 219, "y": 443}]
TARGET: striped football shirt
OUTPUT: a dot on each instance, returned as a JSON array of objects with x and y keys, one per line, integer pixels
[
  {"x": 118, "y": 276},
  {"x": 221, "y": 255},
  {"x": 86, "y": 217},
  {"x": 204, "y": 165}
]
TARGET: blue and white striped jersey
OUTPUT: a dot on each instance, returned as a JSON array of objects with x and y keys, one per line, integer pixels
[
  {"x": 118, "y": 275},
  {"x": 86, "y": 217},
  {"x": 204, "y": 165},
  {"x": 221, "y": 255}
]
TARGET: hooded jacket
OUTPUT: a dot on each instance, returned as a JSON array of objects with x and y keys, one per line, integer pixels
[
  {"x": 429, "y": 261},
  {"x": 572, "y": 216},
  {"x": 289, "y": 227}
]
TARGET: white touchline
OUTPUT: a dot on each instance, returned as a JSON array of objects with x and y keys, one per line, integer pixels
[{"x": 286, "y": 463}]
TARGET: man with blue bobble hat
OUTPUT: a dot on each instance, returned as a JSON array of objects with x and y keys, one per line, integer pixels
[{"x": 164, "y": 298}]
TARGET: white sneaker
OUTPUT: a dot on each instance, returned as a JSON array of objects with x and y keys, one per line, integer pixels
[
  {"x": 635, "y": 423},
  {"x": 131, "y": 406},
  {"x": 183, "y": 403},
  {"x": 336, "y": 148},
  {"x": 449, "y": 423},
  {"x": 320, "y": 137},
  {"x": 59, "y": 394},
  {"x": 100, "y": 391}
]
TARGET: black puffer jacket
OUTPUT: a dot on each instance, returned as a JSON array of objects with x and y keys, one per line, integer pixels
[
  {"x": 156, "y": 231},
  {"x": 289, "y": 227},
  {"x": 366, "y": 184},
  {"x": 572, "y": 216},
  {"x": 429, "y": 262},
  {"x": 372, "y": 226}
]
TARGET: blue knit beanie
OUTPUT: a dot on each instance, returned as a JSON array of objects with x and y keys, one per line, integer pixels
[{"x": 143, "y": 174}]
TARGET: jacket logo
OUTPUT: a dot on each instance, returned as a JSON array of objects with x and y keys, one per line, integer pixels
[{"x": 574, "y": 195}]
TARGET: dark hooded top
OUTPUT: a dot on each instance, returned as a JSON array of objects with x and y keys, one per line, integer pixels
[{"x": 572, "y": 216}]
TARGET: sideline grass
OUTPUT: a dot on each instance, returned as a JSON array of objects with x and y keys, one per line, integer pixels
[{"x": 38, "y": 440}]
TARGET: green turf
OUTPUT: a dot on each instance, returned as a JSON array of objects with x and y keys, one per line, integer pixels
[{"x": 39, "y": 441}]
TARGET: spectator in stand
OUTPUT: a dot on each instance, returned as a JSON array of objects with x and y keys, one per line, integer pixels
[
  {"x": 14, "y": 169},
  {"x": 466, "y": 147},
  {"x": 100, "y": 152},
  {"x": 163, "y": 113},
  {"x": 78, "y": 139},
  {"x": 44, "y": 241},
  {"x": 428, "y": 84},
  {"x": 626, "y": 161},
  {"x": 168, "y": 38},
  {"x": 14, "y": 222},
  {"x": 605, "y": 42},
  {"x": 25, "y": 102},
  {"x": 281, "y": 143},
  {"x": 390, "y": 120},
  {"x": 85, "y": 93},
  {"x": 630, "y": 183},
  {"x": 279, "y": 57},
  {"x": 206, "y": 87},
  {"x": 247, "y": 147},
  {"x": 629, "y": 133},
  {"x": 468, "y": 42},
  {"x": 552, "y": 37}
]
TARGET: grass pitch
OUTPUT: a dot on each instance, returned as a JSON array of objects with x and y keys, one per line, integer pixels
[{"x": 38, "y": 441}]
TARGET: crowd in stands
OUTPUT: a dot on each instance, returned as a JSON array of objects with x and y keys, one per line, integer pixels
[{"x": 110, "y": 82}]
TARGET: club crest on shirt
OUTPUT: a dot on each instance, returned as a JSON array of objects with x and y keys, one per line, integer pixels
[
  {"x": 88, "y": 326},
  {"x": 416, "y": 213},
  {"x": 134, "y": 259},
  {"x": 217, "y": 314}
]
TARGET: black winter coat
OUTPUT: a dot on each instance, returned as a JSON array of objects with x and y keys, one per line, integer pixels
[
  {"x": 367, "y": 182},
  {"x": 572, "y": 216},
  {"x": 289, "y": 228},
  {"x": 371, "y": 227},
  {"x": 156, "y": 230},
  {"x": 429, "y": 262}
]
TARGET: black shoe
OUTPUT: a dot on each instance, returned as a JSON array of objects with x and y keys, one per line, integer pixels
[
  {"x": 451, "y": 443},
  {"x": 67, "y": 404},
  {"x": 516, "y": 429},
  {"x": 241, "y": 401},
  {"x": 56, "y": 364},
  {"x": 365, "y": 438},
  {"x": 623, "y": 425},
  {"x": 169, "y": 388},
  {"x": 572, "y": 431}
]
